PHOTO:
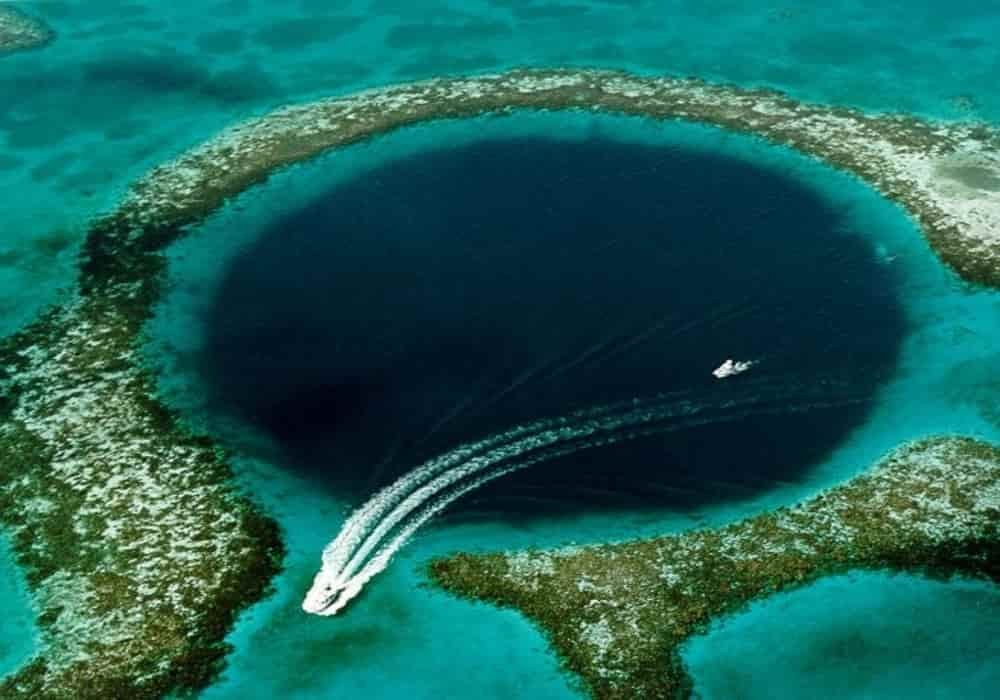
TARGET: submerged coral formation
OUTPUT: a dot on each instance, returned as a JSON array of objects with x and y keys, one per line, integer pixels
[
  {"x": 943, "y": 173},
  {"x": 18, "y": 31},
  {"x": 618, "y": 614},
  {"x": 140, "y": 551}
]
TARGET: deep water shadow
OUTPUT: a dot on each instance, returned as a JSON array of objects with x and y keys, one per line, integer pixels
[{"x": 452, "y": 294}]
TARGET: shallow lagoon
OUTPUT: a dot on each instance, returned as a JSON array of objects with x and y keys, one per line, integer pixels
[
  {"x": 864, "y": 635},
  {"x": 399, "y": 639}
]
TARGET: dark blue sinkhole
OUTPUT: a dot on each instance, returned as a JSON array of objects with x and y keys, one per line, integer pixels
[{"x": 453, "y": 294}]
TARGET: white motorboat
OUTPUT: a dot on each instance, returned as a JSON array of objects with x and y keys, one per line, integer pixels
[{"x": 731, "y": 368}]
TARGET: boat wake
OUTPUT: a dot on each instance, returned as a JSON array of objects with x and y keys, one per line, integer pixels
[{"x": 377, "y": 530}]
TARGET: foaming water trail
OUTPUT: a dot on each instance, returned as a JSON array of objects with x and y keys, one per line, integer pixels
[
  {"x": 364, "y": 519},
  {"x": 381, "y": 527}
]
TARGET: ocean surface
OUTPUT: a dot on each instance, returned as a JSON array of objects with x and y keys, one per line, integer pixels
[
  {"x": 845, "y": 637},
  {"x": 18, "y": 630},
  {"x": 456, "y": 293},
  {"x": 321, "y": 324},
  {"x": 130, "y": 83},
  {"x": 218, "y": 342}
]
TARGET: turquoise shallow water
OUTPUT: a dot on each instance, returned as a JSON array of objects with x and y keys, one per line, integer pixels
[
  {"x": 18, "y": 631},
  {"x": 127, "y": 85},
  {"x": 865, "y": 635},
  {"x": 942, "y": 383}
]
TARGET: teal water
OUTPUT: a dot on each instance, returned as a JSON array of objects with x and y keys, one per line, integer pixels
[
  {"x": 128, "y": 84},
  {"x": 864, "y": 635},
  {"x": 939, "y": 385},
  {"x": 18, "y": 628}
]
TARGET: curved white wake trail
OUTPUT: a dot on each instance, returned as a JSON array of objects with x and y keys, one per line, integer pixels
[
  {"x": 361, "y": 521},
  {"x": 383, "y": 511},
  {"x": 433, "y": 486},
  {"x": 355, "y": 583},
  {"x": 508, "y": 449}
]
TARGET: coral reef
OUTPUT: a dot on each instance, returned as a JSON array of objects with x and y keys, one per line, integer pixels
[
  {"x": 139, "y": 549},
  {"x": 618, "y": 613},
  {"x": 19, "y": 31},
  {"x": 900, "y": 156}
]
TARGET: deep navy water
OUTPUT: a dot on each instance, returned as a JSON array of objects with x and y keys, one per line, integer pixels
[
  {"x": 815, "y": 272},
  {"x": 381, "y": 304},
  {"x": 460, "y": 292}
]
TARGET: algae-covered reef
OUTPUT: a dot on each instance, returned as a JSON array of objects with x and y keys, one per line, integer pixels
[
  {"x": 618, "y": 614},
  {"x": 945, "y": 174},
  {"x": 139, "y": 548},
  {"x": 19, "y": 31}
]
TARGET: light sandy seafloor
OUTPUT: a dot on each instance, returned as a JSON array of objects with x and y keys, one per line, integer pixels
[
  {"x": 139, "y": 550},
  {"x": 19, "y": 31}
]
